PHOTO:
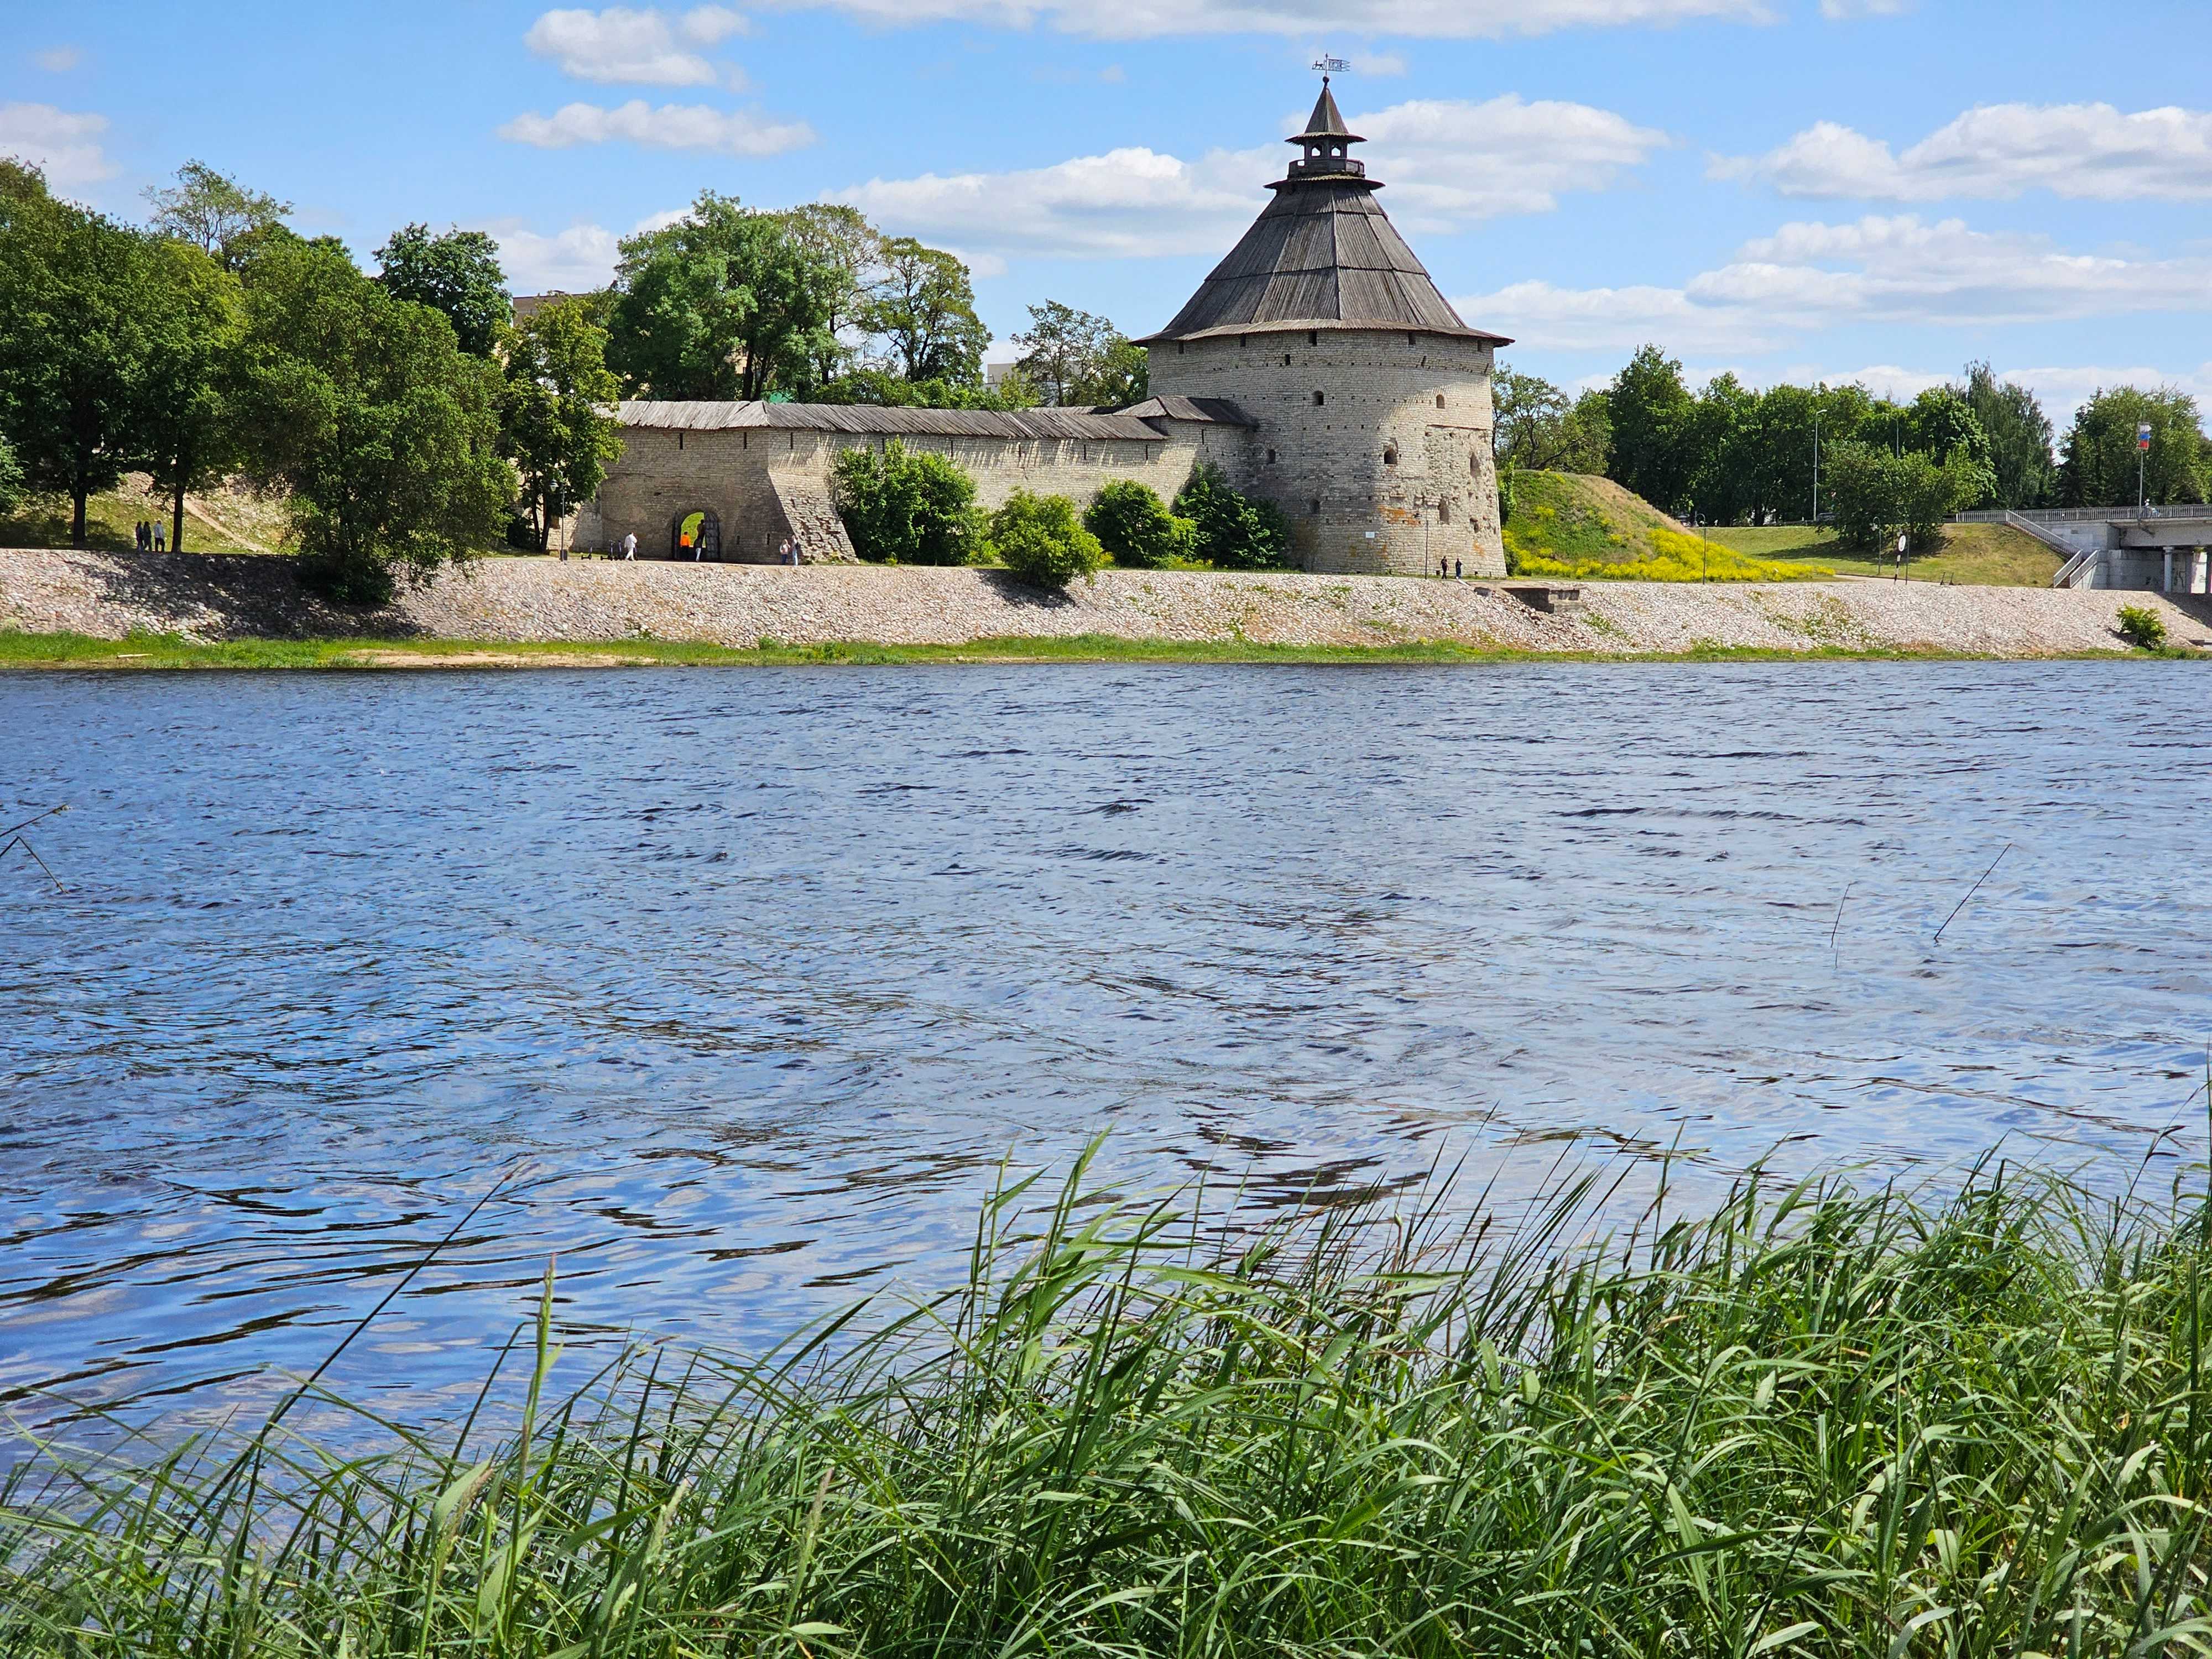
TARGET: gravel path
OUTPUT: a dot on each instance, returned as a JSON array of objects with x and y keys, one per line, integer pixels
[{"x": 109, "y": 595}]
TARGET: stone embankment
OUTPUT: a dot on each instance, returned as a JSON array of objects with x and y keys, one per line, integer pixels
[{"x": 109, "y": 595}]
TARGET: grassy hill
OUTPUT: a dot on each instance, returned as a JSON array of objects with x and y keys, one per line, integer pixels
[
  {"x": 227, "y": 521},
  {"x": 1570, "y": 523},
  {"x": 1975, "y": 555}
]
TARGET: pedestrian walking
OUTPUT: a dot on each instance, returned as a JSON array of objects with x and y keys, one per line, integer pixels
[
  {"x": 1459, "y": 570},
  {"x": 161, "y": 539},
  {"x": 629, "y": 545},
  {"x": 783, "y": 551}
]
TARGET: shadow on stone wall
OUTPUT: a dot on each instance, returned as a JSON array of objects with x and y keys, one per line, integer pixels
[
  {"x": 1020, "y": 594},
  {"x": 229, "y": 596}
]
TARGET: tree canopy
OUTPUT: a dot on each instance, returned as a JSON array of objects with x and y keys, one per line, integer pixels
[
  {"x": 458, "y": 274},
  {"x": 385, "y": 431},
  {"x": 553, "y": 418},
  {"x": 727, "y": 302},
  {"x": 216, "y": 215},
  {"x": 2099, "y": 468},
  {"x": 1536, "y": 426},
  {"x": 923, "y": 309},
  {"x": 77, "y": 294},
  {"x": 1075, "y": 357}
]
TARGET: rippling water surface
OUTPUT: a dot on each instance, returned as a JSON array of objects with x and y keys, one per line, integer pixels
[{"x": 757, "y": 975}]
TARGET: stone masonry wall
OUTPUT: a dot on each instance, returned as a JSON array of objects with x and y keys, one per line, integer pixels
[
  {"x": 751, "y": 479},
  {"x": 1376, "y": 445}
]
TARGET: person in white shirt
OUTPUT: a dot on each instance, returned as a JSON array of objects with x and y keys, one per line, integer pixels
[{"x": 629, "y": 545}]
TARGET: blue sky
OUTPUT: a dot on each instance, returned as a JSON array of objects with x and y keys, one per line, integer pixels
[{"x": 1874, "y": 189}]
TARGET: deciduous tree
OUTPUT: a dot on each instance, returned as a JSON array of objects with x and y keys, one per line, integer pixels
[
  {"x": 2099, "y": 468},
  {"x": 364, "y": 404},
  {"x": 725, "y": 303},
  {"x": 74, "y": 300},
  {"x": 1652, "y": 414},
  {"x": 218, "y": 216},
  {"x": 184, "y": 430},
  {"x": 555, "y": 419},
  {"x": 841, "y": 238},
  {"x": 2019, "y": 433},
  {"x": 922, "y": 307},
  {"x": 457, "y": 273},
  {"x": 1064, "y": 349}
]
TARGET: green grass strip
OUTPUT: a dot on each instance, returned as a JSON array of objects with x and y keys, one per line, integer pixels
[{"x": 169, "y": 650}]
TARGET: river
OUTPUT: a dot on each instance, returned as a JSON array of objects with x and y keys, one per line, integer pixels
[{"x": 747, "y": 982}]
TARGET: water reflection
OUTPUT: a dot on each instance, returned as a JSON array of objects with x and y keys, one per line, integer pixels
[{"x": 750, "y": 980}]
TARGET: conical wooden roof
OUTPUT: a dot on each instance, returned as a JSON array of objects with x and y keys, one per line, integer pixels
[{"x": 1323, "y": 254}]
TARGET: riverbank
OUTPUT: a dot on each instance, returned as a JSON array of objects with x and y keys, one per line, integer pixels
[
  {"x": 1816, "y": 1422},
  {"x": 249, "y": 611}
]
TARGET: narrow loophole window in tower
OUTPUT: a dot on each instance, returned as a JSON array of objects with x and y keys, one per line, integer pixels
[
  {"x": 1389, "y": 454},
  {"x": 1319, "y": 399},
  {"x": 1440, "y": 400},
  {"x": 1313, "y": 337},
  {"x": 1270, "y": 458},
  {"x": 1444, "y": 512},
  {"x": 1313, "y": 507}
]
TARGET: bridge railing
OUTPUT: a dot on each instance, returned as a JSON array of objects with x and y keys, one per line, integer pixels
[{"x": 2127, "y": 514}]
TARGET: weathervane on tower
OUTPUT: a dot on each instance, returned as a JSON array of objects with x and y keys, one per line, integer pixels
[{"x": 1328, "y": 66}]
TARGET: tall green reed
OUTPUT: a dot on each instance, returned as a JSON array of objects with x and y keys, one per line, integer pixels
[{"x": 1815, "y": 1421}]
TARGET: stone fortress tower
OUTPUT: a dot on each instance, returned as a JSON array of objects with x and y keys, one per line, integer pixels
[
  {"x": 1369, "y": 399},
  {"x": 1317, "y": 367}
]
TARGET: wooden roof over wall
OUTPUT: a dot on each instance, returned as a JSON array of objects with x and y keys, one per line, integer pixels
[{"x": 872, "y": 420}]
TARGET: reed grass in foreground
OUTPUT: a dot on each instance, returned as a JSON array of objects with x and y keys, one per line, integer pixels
[{"x": 1818, "y": 1422}]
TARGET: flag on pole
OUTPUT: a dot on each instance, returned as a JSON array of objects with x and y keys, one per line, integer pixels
[{"x": 2142, "y": 435}]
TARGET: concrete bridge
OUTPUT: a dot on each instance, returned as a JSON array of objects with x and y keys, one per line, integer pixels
[{"x": 2166, "y": 550}]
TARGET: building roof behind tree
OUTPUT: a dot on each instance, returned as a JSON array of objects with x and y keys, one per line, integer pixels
[{"x": 1322, "y": 255}]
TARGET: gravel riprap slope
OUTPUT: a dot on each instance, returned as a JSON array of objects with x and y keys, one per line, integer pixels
[{"x": 109, "y": 595}]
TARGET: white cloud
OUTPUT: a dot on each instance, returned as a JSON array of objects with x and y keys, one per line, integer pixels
[
  {"x": 1447, "y": 161},
  {"x": 1118, "y": 205},
  {"x": 1836, "y": 10},
  {"x": 1811, "y": 276},
  {"x": 1377, "y": 63},
  {"x": 65, "y": 143},
  {"x": 58, "y": 60},
  {"x": 1448, "y": 164},
  {"x": 1424, "y": 19},
  {"x": 671, "y": 126},
  {"x": 573, "y": 261},
  {"x": 646, "y": 47},
  {"x": 2085, "y": 151}
]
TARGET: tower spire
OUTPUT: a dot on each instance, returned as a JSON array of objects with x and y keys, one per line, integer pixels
[{"x": 1325, "y": 145}]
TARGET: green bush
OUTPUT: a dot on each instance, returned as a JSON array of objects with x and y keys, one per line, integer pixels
[
  {"x": 1042, "y": 541},
  {"x": 1504, "y": 493},
  {"x": 2144, "y": 630},
  {"x": 1231, "y": 529},
  {"x": 1877, "y": 496},
  {"x": 901, "y": 509},
  {"x": 1133, "y": 525}
]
